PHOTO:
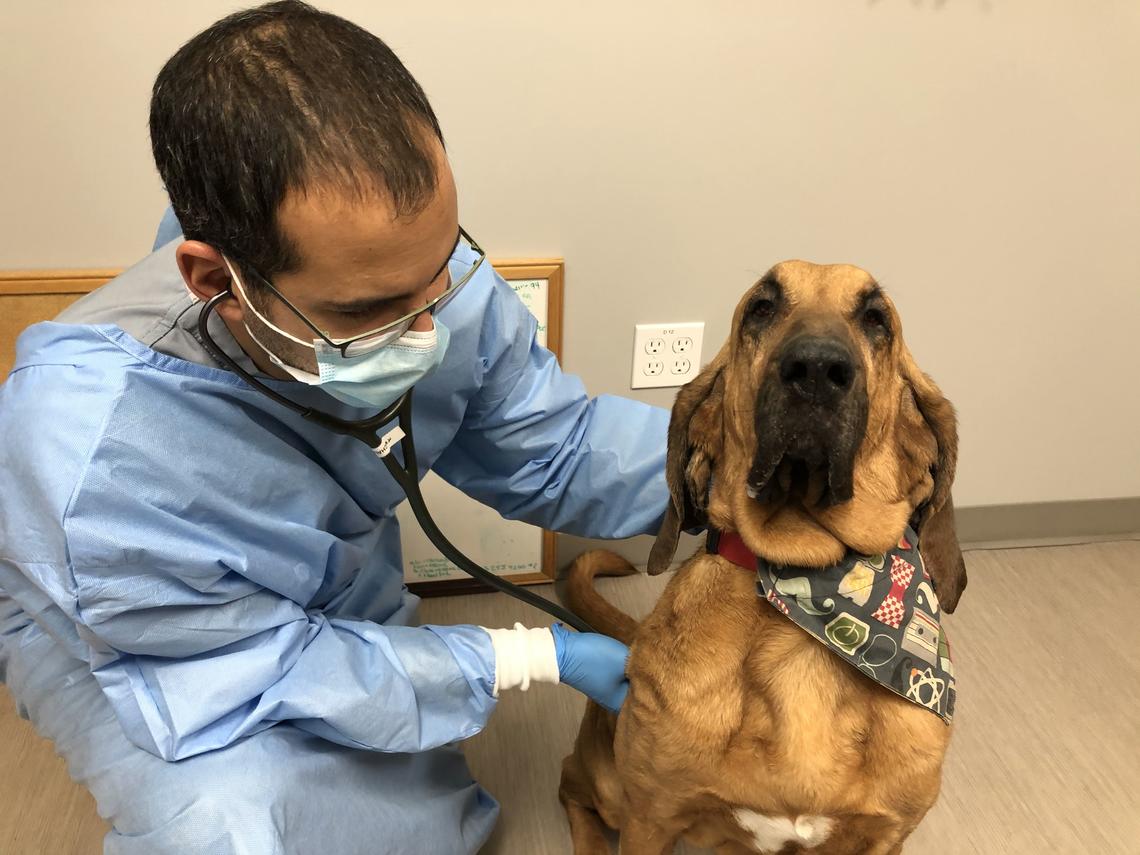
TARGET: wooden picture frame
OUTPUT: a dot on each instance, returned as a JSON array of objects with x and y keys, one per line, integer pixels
[{"x": 31, "y": 296}]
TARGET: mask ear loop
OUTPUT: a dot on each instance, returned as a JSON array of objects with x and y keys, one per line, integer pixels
[
  {"x": 236, "y": 280},
  {"x": 406, "y": 473}
]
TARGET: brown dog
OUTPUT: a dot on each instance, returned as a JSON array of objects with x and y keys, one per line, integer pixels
[{"x": 813, "y": 436}]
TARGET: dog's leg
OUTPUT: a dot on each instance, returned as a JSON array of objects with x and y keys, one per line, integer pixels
[
  {"x": 640, "y": 836},
  {"x": 587, "y": 829},
  {"x": 733, "y": 848},
  {"x": 892, "y": 846}
]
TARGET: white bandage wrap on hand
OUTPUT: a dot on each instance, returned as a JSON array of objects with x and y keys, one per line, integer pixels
[{"x": 523, "y": 656}]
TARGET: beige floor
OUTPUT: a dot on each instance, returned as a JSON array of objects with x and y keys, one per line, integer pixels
[{"x": 1046, "y": 757}]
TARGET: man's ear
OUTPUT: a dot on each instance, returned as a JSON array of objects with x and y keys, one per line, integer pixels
[{"x": 205, "y": 273}]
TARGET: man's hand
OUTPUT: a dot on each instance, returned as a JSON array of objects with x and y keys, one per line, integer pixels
[{"x": 593, "y": 664}]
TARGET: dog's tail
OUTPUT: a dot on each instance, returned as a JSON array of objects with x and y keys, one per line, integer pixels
[{"x": 589, "y": 604}]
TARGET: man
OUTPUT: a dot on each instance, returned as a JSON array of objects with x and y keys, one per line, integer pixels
[{"x": 201, "y": 593}]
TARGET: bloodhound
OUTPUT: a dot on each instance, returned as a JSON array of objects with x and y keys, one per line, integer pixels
[{"x": 810, "y": 440}]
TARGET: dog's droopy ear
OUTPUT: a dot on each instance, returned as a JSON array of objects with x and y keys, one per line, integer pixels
[
  {"x": 934, "y": 519},
  {"x": 938, "y": 541},
  {"x": 696, "y": 436}
]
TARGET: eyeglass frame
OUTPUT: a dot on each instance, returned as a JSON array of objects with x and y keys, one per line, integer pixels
[{"x": 429, "y": 306}]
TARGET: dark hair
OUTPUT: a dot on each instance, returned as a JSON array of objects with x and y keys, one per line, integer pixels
[{"x": 285, "y": 98}]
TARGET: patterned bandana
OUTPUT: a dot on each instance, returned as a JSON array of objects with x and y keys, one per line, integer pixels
[{"x": 870, "y": 610}]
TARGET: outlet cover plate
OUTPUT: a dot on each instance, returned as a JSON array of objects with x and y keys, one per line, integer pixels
[{"x": 666, "y": 354}]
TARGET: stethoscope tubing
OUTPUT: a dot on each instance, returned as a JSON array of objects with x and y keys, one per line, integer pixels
[{"x": 406, "y": 475}]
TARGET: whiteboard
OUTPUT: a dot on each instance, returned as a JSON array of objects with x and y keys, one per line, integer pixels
[
  {"x": 505, "y": 547},
  {"x": 508, "y": 548}
]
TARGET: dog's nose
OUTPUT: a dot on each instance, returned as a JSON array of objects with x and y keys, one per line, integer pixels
[{"x": 820, "y": 370}]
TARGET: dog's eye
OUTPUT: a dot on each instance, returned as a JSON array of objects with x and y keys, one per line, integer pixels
[
  {"x": 762, "y": 312},
  {"x": 762, "y": 309},
  {"x": 875, "y": 319}
]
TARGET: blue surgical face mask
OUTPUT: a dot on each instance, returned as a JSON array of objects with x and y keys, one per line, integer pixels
[
  {"x": 379, "y": 377},
  {"x": 378, "y": 372}
]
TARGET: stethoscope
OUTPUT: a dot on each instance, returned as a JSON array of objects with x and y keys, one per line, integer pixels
[{"x": 406, "y": 475}]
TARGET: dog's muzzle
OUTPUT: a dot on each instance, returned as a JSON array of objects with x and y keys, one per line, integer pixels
[{"x": 811, "y": 413}]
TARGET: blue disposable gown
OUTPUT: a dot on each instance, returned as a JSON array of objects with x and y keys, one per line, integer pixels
[{"x": 221, "y": 566}]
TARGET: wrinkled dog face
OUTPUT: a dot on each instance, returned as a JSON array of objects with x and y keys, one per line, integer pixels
[
  {"x": 811, "y": 339},
  {"x": 812, "y": 431}
]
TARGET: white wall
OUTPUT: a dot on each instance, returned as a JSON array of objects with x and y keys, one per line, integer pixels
[{"x": 981, "y": 157}]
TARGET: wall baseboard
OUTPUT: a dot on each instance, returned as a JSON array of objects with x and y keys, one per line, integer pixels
[
  {"x": 1036, "y": 521},
  {"x": 1025, "y": 524}
]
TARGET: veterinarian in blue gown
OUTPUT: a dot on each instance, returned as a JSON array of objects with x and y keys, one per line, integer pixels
[{"x": 201, "y": 593}]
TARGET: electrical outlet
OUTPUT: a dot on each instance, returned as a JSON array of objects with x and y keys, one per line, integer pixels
[{"x": 666, "y": 354}]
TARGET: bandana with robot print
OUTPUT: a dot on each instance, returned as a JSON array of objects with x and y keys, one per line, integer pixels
[{"x": 878, "y": 612}]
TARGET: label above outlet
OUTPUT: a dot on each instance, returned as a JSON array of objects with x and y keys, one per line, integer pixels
[{"x": 666, "y": 354}]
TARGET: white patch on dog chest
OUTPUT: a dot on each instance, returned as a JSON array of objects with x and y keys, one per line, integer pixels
[{"x": 772, "y": 833}]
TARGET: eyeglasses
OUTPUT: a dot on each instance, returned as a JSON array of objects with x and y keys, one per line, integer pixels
[{"x": 392, "y": 330}]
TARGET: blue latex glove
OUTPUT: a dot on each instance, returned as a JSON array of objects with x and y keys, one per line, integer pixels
[{"x": 593, "y": 664}]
